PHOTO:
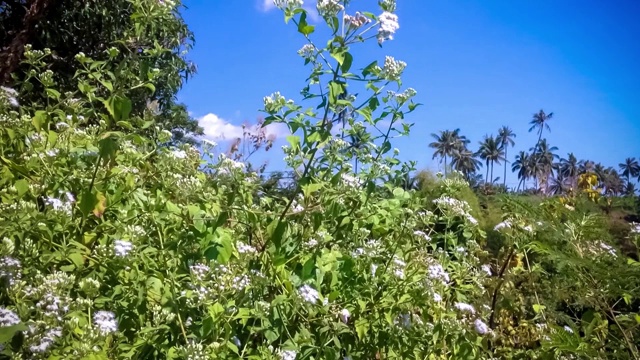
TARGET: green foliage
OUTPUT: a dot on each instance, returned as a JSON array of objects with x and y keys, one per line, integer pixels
[{"x": 118, "y": 243}]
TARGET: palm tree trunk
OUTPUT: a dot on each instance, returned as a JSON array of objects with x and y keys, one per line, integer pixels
[
  {"x": 492, "y": 172},
  {"x": 504, "y": 180},
  {"x": 486, "y": 178},
  {"x": 445, "y": 165}
]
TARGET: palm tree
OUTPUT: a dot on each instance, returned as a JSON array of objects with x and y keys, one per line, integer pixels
[
  {"x": 544, "y": 159},
  {"x": 464, "y": 161},
  {"x": 558, "y": 184},
  {"x": 491, "y": 152},
  {"x": 585, "y": 166},
  {"x": 540, "y": 121},
  {"x": 569, "y": 169},
  {"x": 505, "y": 138},
  {"x": 612, "y": 182},
  {"x": 521, "y": 165},
  {"x": 630, "y": 168},
  {"x": 446, "y": 143},
  {"x": 601, "y": 172}
]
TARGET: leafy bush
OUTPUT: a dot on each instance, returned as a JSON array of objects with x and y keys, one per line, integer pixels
[{"x": 118, "y": 242}]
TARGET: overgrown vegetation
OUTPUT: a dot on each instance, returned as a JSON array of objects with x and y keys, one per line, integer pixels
[{"x": 118, "y": 241}]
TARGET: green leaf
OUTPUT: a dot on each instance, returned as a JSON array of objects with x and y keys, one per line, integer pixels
[
  {"x": 303, "y": 27},
  {"x": 22, "y": 186},
  {"x": 538, "y": 308},
  {"x": 294, "y": 142},
  {"x": 172, "y": 208},
  {"x": 346, "y": 64},
  {"x": 39, "y": 119},
  {"x": 7, "y": 332}
]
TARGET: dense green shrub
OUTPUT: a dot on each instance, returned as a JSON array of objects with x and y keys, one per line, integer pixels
[{"x": 117, "y": 244}]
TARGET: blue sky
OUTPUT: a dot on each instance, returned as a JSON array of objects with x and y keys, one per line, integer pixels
[{"x": 476, "y": 64}]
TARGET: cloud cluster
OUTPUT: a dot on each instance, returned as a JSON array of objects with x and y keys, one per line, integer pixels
[
  {"x": 219, "y": 129},
  {"x": 268, "y": 5}
]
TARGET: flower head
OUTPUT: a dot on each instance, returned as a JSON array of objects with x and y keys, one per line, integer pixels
[
  {"x": 122, "y": 247},
  {"x": 309, "y": 294},
  {"x": 105, "y": 321},
  {"x": 465, "y": 307},
  {"x": 8, "y": 317},
  {"x": 344, "y": 315},
  {"x": 388, "y": 26},
  {"x": 481, "y": 327}
]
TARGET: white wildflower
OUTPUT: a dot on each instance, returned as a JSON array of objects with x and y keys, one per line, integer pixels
[
  {"x": 437, "y": 297},
  {"x": 487, "y": 269},
  {"x": 465, "y": 307},
  {"x": 344, "y": 315},
  {"x": 351, "y": 181},
  {"x": 179, "y": 154},
  {"x": 288, "y": 4},
  {"x": 8, "y": 317},
  {"x": 503, "y": 225},
  {"x": 388, "y": 26},
  {"x": 287, "y": 354},
  {"x": 105, "y": 321},
  {"x": 244, "y": 248},
  {"x": 481, "y": 327},
  {"x": 309, "y": 294},
  {"x": 122, "y": 247},
  {"x": 307, "y": 51},
  {"x": 199, "y": 271},
  {"x": 422, "y": 234},
  {"x": 392, "y": 68},
  {"x": 46, "y": 340},
  {"x": 329, "y": 8},
  {"x": 568, "y": 329},
  {"x": 437, "y": 272},
  {"x": 10, "y": 269}
]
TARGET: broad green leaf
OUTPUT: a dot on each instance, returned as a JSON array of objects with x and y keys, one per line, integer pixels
[{"x": 22, "y": 186}]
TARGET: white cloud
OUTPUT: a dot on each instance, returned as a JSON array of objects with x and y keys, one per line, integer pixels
[
  {"x": 312, "y": 13},
  {"x": 217, "y": 129},
  {"x": 267, "y": 5}
]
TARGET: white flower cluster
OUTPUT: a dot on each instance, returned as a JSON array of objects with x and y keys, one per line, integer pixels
[
  {"x": 178, "y": 154},
  {"x": 193, "y": 351},
  {"x": 422, "y": 234},
  {"x": 392, "y": 68},
  {"x": 64, "y": 204},
  {"x": 402, "y": 97},
  {"x": 456, "y": 207},
  {"x": 351, "y": 181},
  {"x": 275, "y": 102},
  {"x": 122, "y": 248},
  {"x": 105, "y": 322},
  {"x": 287, "y": 354},
  {"x": 437, "y": 272},
  {"x": 398, "y": 266},
  {"x": 465, "y": 308},
  {"x": 8, "y": 317},
  {"x": 635, "y": 228},
  {"x": 329, "y": 8},
  {"x": 10, "y": 95},
  {"x": 10, "y": 270},
  {"x": 226, "y": 166},
  {"x": 288, "y": 4},
  {"x": 344, "y": 315},
  {"x": 307, "y": 51},
  {"x": 388, "y": 26},
  {"x": 481, "y": 327},
  {"x": 244, "y": 248},
  {"x": 309, "y": 294},
  {"x": 371, "y": 249},
  {"x": 42, "y": 341},
  {"x": 487, "y": 269},
  {"x": 356, "y": 21}
]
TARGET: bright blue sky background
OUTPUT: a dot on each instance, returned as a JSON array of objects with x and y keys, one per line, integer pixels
[{"x": 476, "y": 64}]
